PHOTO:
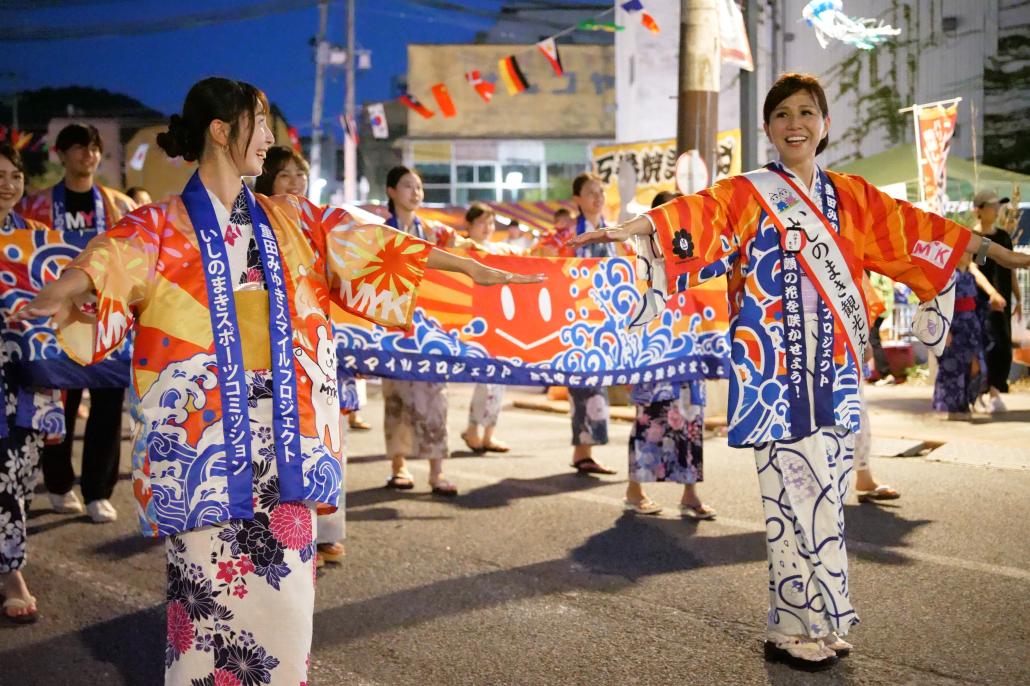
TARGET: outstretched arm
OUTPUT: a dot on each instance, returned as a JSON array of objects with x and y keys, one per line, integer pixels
[
  {"x": 480, "y": 273},
  {"x": 638, "y": 226},
  {"x": 1002, "y": 255},
  {"x": 58, "y": 299}
]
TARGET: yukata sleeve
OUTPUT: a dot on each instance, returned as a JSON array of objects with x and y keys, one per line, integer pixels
[
  {"x": 920, "y": 249},
  {"x": 121, "y": 263},
  {"x": 373, "y": 270},
  {"x": 693, "y": 237}
]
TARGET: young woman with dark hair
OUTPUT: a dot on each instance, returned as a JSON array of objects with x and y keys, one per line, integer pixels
[
  {"x": 235, "y": 367},
  {"x": 28, "y": 417},
  {"x": 285, "y": 172},
  {"x": 415, "y": 412},
  {"x": 793, "y": 240}
]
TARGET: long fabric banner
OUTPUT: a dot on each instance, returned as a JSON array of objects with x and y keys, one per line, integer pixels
[
  {"x": 29, "y": 260},
  {"x": 571, "y": 330},
  {"x": 935, "y": 126}
]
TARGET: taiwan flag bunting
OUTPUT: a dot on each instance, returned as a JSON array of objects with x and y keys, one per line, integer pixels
[
  {"x": 412, "y": 103},
  {"x": 550, "y": 50},
  {"x": 513, "y": 78},
  {"x": 484, "y": 88},
  {"x": 443, "y": 100},
  {"x": 377, "y": 120}
]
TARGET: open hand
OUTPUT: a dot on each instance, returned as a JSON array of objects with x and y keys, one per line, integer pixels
[
  {"x": 47, "y": 304},
  {"x": 613, "y": 234}
]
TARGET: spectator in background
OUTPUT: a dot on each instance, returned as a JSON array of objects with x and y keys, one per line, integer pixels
[
  {"x": 79, "y": 203},
  {"x": 960, "y": 370},
  {"x": 139, "y": 195},
  {"x": 1003, "y": 280},
  {"x": 553, "y": 244},
  {"x": 884, "y": 289}
]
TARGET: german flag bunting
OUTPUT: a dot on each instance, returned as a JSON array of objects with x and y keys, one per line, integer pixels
[
  {"x": 443, "y": 100},
  {"x": 412, "y": 103},
  {"x": 514, "y": 80},
  {"x": 550, "y": 50}
]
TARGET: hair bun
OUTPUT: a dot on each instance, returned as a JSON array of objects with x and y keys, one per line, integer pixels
[{"x": 176, "y": 140}]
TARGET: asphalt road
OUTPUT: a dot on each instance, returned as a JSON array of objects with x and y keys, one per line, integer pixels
[{"x": 535, "y": 576}]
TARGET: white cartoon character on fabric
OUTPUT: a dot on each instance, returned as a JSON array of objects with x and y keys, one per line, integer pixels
[{"x": 321, "y": 370}]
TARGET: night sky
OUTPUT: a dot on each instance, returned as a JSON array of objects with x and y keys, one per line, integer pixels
[{"x": 272, "y": 51}]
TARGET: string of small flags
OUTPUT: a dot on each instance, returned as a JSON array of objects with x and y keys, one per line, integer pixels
[{"x": 509, "y": 69}]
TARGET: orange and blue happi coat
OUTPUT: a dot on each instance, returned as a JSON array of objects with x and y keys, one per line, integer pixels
[
  {"x": 724, "y": 230},
  {"x": 150, "y": 277},
  {"x": 571, "y": 330}
]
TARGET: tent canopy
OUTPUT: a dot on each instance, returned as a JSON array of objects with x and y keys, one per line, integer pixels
[{"x": 898, "y": 165}]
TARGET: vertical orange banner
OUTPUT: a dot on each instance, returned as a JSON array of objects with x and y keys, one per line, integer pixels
[{"x": 935, "y": 126}]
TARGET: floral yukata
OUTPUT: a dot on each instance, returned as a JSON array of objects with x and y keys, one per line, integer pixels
[
  {"x": 30, "y": 417},
  {"x": 667, "y": 438},
  {"x": 240, "y": 429},
  {"x": 803, "y": 448}
]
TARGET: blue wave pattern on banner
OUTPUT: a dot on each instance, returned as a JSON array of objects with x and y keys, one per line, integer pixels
[
  {"x": 33, "y": 352},
  {"x": 597, "y": 352}
]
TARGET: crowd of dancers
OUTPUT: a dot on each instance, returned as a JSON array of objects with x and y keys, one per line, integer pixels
[{"x": 214, "y": 283}]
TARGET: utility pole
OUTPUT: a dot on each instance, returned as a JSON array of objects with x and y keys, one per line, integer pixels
[
  {"x": 321, "y": 56},
  {"x": 700, "y": 62},
  {"x": 350, "y": 150},
  {"x": 749, "y": 93}
]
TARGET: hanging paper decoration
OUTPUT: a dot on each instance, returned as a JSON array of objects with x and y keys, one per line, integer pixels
[
  {"x": 550, "y": 50},
  {"x": 591, "y": 25},
  {"x": 829, "y": 21},
  {"x": 412, "y": 103},
  {"x": 377, "y": 119},
  {"x": 633, "y": 6},
  {"x": 484, "y": 88},
  {"x": 649, "y": 23},
  {"x": 443, "y": 100},
  {"x": 514, "y": 80},
  {"x": 733, "y": 39}
]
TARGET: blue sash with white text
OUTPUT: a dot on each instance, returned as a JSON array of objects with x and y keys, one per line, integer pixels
[
  {"x": 229, "y": 352},
  {"x": 59, "y": 212},
  {"x": 416, "y": 225}
]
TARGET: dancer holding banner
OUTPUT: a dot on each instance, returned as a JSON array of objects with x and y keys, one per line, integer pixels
[
  {"x": 794, "y": 239},
  {"x": 235, "y": 366},
  {"x": 589, "y": 405},
  {"x": 29, "y": 417},
  {"x": 415, "y": 412},
  {"x": 487, "y": 398},
  {"x": 78, "y": 203}
]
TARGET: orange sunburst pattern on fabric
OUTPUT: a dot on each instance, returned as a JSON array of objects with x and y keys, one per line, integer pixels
[{"x": 378, "y": 266}]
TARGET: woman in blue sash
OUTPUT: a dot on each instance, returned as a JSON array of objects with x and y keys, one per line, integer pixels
[
  {"x": 229, "y": 296},
  {"x": 793, "y": 240},
  {"x": 30, "y": 416}
]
